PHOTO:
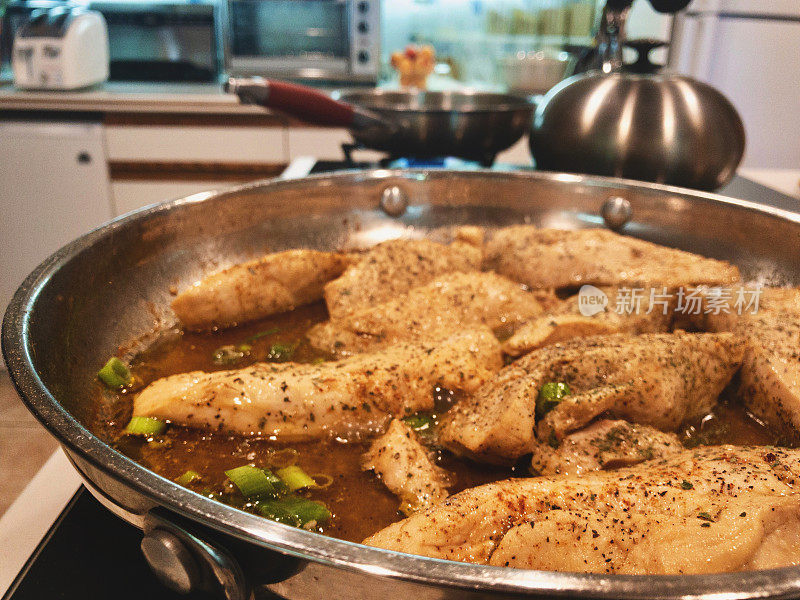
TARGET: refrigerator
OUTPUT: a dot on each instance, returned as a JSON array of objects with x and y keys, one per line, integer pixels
[
  {"x": 54, "y": 187},
  {"x": 750, "y": 51}
]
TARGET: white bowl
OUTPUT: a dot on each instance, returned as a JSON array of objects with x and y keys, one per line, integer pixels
[{"x": 533, "y": 72}]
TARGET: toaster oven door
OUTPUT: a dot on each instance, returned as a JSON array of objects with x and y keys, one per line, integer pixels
[{"x": 302, "y": 39}]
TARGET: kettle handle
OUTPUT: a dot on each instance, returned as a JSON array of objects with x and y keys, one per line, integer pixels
[
  {"x": 662, "y": 6},
  {"x": 643, "y": 47},
  {"x": 669, "y": 6}
]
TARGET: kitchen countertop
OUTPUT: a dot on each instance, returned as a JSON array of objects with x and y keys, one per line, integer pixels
[
  {"x": 144, "y": 97},
  {"x": 128, "y": 97}
]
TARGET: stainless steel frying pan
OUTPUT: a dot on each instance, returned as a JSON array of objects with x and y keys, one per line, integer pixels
[
  {"x": 411, "y": 124},
  {"x": 111, "y": 288}
]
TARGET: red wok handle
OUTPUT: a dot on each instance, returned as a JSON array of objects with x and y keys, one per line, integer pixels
[{"x": 299, "y": 101}]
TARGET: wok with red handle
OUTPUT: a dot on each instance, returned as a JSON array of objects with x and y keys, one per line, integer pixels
[{"x": 415, "y": 124}]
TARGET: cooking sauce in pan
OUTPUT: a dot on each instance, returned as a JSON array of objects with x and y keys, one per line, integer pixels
[{"x": 358, "y": 501}]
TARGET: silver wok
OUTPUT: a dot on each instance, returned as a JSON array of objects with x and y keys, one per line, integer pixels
[
  {"x": 111, "y": 288},
  {"x": 467, "y": 124}
]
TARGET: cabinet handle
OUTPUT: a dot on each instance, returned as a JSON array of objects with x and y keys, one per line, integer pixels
[{"x": 84, "y": 158}]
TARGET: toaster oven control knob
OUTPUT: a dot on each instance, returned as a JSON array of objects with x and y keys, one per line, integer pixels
[
  {"x": 171, "y": 561},
  {"x": 363, "y": 27},
  {"x": 363, "y": 7},
  {"x": 363, "y": 56}
]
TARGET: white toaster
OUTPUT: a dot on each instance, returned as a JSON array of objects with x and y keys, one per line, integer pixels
[{"x": 61, "y": 48}]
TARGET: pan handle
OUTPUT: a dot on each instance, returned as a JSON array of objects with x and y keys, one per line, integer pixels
[{"x": 302, "y": 102}]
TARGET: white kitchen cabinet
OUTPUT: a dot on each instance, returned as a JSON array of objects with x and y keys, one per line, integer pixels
[
  {"x": 325, "y": 143},
  {"x": 200, "y": 143},
  {"x": 181, "y": 151},
  {"x": 55, "y": 187}
]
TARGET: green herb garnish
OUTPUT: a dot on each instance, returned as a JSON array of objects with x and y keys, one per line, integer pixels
[
  {"x": 419, "y": 422},
  {"x": 281, "y": 352},
  {"x": 146, "y": 426},
  {"x": 227, "y": 355},
  {"x": 550, "y": 395},
  {"x": 115, "y": 374}
]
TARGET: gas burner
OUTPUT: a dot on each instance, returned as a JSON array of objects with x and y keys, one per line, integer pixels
[{"x": 407, "y": 162}]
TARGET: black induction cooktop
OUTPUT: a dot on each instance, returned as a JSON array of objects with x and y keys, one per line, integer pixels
[{"x": 89, "y": 553}]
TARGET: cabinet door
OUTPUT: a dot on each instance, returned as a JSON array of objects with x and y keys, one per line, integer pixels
[
  {"x": 55, "y": 187},
  {"x": 325, "y": 143}
]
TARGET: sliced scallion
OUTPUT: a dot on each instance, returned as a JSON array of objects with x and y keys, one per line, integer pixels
[
  {"x": 261, "y": 334},
  {"x": 419, "y": 422},
  {"x": 115, "y": 374},
  {"x": 256, "y": 483},
  {"x": 281, "y": 352},
  {"x": 227, "y": 355},
  {"x": 295, "y": 478},
  {"x": 187, "y": 478},
  {"x": 296, "y": 511},
  {"x": 550, "y": 395},
  {"x": 323, "y": 481},
  {"x": 146, "y": 426}
]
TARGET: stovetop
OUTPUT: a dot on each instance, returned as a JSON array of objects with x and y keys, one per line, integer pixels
[{"x": 90, "y": 553}]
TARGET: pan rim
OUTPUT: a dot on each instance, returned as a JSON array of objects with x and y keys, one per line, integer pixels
[
  {"x": 508, "y": 103},
  {"x": 330, "y": 551}
]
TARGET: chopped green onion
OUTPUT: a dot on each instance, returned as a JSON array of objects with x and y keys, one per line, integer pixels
[
  {"x": 188, "y": 478},
  {"x": 227, "y": 355},
  {"x": 295, "y": 478},
  {"x": 244, "y": 348},
  {"x": 261, "y": 334},
  {"x": 115, "y": 374},
  {"x": 256, "y": 483},
  {"x": 296, "y": 511},
  {"x": 549, "y": 397},
  {"x": 281, "y": 352},
  {"x": 145, "y": 426},
  {"x": 322, "y": 481},
  {"x": 419, "y": 422}
]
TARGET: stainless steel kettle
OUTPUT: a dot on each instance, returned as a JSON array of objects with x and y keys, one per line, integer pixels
[{"x": 637, "y": 123}]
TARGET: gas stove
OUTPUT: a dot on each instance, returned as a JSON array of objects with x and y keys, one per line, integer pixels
[
  {"x": 309, "y": 165},
  {"x": 57, "y": 541}
]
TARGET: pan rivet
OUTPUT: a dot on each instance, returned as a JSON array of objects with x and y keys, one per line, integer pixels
[
  {"x": 616, "y": 212},
  {"x": 394, "y": 201}
]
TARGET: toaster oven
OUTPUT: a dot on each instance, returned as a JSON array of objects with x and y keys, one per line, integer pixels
[{"x": 331, "y": 40}]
